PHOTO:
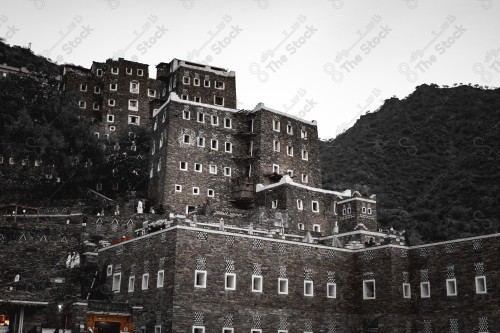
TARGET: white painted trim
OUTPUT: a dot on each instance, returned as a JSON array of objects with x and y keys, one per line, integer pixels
[
  {"x": 260, "y": 106},
  {"x": 287, "y": 180},
  {"x": 357, "y": 198},
  {"x": 13, "y": 301}
]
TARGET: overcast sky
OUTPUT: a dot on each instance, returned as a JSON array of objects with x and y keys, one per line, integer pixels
[{"x": 324, "y": 60}]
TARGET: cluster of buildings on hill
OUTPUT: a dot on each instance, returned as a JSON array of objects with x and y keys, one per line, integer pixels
[{"x": 251, "y": 243}]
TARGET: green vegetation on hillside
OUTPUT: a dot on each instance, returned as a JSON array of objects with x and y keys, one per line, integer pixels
[{"x": 18, "y": 56}]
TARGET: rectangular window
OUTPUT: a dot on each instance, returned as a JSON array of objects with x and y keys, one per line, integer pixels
[
  {"x": 254, "y": 330},
  {"x": 198, "y": 329},
  {"x": 276, "y": 125},
  {"x": 114, "y": 70},
  {"x": 196, "y": 81},
  {"x": 315, "y": 206},
  {"x": 276, "y": 168},
  {"x": 289, "y": 129},
  {"x": 111, "y": 118},
  {"x": 178, "y": 188},
  {"x": 227, "y": 171},
  {"x": 97, "y": 90},
  {"x": 198, "y": 167},
  {"x": 206, "y": 83},
  {"x": 305, "y": 155},
  {"x": 229, "y": 147},
  {"x": 331, "y": 290},
  {"x": 228, "y": 123},
  {"x": 197, "y": 99},
  {"x": 219, "y": 85},
  {"x": 140, "y": 72},
  {"x": 117, "y": 279},
  {"x": 215, "y": 120},
  {"x": 305, "y": 178},
  {"x": 133, "y": 105},
  {"x": 300, "y": 226},
  {"x": 145, "y": 281},
  {"x": 83, "y": 87},
  {"x": 186, "y": 115},
  {"x": 201, "y": 142},
  {"x": 481, "y": 284},
  {"x": 134, "y": 87},
  {"x": 109, "y": 270},
  {"x": 369, "y": 289},
  {"x": 406, "y": 290},
  {"x": 151, "y": 93},
  {"x": 289, "y": 150},
  {"x": 282, "y": 286},
  {"x": 316, "y": 228},
  {"x": 308, "y": 288},
  {"x": 186, "y": 138},
  {"x": 425, "y": 290},
  {"x": 230, "y": 281},
  {"x": 200, "y": 279},
  {"x": 111, "y": 102},
  {"x": 184, "y": 97},
  {"x": 134, "y": 120},
  {"x": 219, "y": 100},
  {"x": 300, "y": 205},
  {"x": 303, "y": 134},
  {"x": 276, "y": 145},
  {"x": 183, "y": 166},
  {"x": 159, "y": 278},
  {"x": 214, "y": 144},
  {"x": 196, "y": 190},
  {"x": 158, "y": 329},
  {"x": 186, "y": 80},
  {"x": 451, "y": 287},
  {"x": 98, "y": 72},
  {"x": 227, "y": 330},
  {"x": 201, "y": 117},
  {"x": 95, "y": 106},
  {"x": 210, "y": 193},
  {"x": 82, "y": 104},
  {"x": 289, "y": 172},
  {"x": 112, "y": 128},
  {"x": 131, "y": 284},
  {"x": 213, "y": 169},
  {"x": 257, "y": 283},
  {"x": 274, "y": 204},
  {"x": 128, "y": 71},
  {"x": 113, "y": 87}
]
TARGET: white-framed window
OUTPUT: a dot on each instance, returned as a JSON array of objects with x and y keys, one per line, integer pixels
[
  {"x": 228, "y": 123},
  {"x": 111, "y": 102},
  {"x": 218, "y": 100},
  {"x": 214, "y": 144},
  {"x": 276, "y": 145},
  {"x": 406, "y": 290},
  {"x": 200, "y": 117},
  {"x": 196, "y": 81},
  {"x": 111, "y": 118},
  {"x": 97, "y": 90},
  {"x": 300, "y": 204},
  {"x": 151, "y": 93},
  {"x": 227, "y": 330},
  {"x": 186, "y": 138},
  {"x": 289, "y": 150},
  {"x": 133, "y": 105},
  {"x": 197, "y": 99},
  {"x": 276, "y": 125},
  {"x": 305, "y": 178},
  {"x": 134, "y": 87},
  {"x": 289, "y": 129},
  {"x": 157, "y": 329},
  {"x": 215, "y": 120},
  {"x": 83, "y": 87},
  {"x": 140, "y": 72},
  {"x": 425, "y": 289},
  {"x": 369, "y": 210},
  {"x": 316, "y": 228},
  {"x": 98, "y": 72},
  {"x": 308, "y": 288},
  {"x": 276, "y": 168},
  {"x": 363, "y": 210},
  {"x": 210, "y": 193},
  {"x": 112, "y": 128},
  {"x": 151, "y": 173},
  {"x": 219, "y": 85},
  {"x": 109, "y": 270},
  {"x": 201, "y": 142},
  {"x": 82, "y": 104},
  {"x": 198, "y": 167},
  {"x": 206, "y": 83},
  {"x": 178, "y": 188},
  {"x": 301, "y": 226},
  {"x": 315, "y": 206},
  {"x": 113, "y": 87},
  {"x": 134, "y": 120},
  {"x": 274, "y": 204},
  {"x": 331, "y": 290},
  {"x": 283, "y": 286},
  {"x": 290, "y": 172},
  {"x": 11, "y": 160},
  {"x": 213, "y": 169},
  {"x": 480, "y": 282},
  {"x": 227, "y": 171},
  {"x": 145, "y": 281},
  {"x": 303, "y": 134},
  {"x": 451, "y": 287},
  {"x": 369, "y": 289},
  {"x": 114, "y": 70},
  {"x": 348, "y": 209},
  {"x": 98, "y": 187},
  {"x": 257, "y": 283},
  {"x": 200, "y": 279},
  {"x": 95, "y": 106},
  {"x": 228, "y": 147},
  {"x": 186, "y": 115},
  {"x": 255, "y": 330},
  {"x": 305, "y": 155},
  {"x": 131, "y": 283},
  {"x": 128, "y": 71},
  {"x": 230, "y": 281},
  {"x": 196, "y": 191},
  {"x": 186, "y": 80},
  {"x": 183, "y": 166},
  {"x": 159, "y": 278},
  {"x": 184, "y": 97},
  {"x": 198, "y": 329},
  {"x": 1, "y": 159},
  {"x": 117, "y": 279}
]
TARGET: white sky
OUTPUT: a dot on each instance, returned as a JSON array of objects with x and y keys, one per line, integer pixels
[{"x": 351, "y": 56}]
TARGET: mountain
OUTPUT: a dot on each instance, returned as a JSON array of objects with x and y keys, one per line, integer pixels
[
  {"x": 432, "y": 159},
  {"x": 21, "y": 57}
]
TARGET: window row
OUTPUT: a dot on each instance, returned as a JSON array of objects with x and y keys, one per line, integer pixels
[
  {"x": 201, "y": 118},
  {"x": 194, "y": 191},
  {"x": 134, "y": 88},
  {"x": 300, "y": 205},
  {"x": 304, "y": 177},
  {"x": 198, "y": 167},
  {"x": 364, "y": 210},
  {"x": 214, "y": 143},
  {"x": 186, "y": 80},
  {"x": 116, "y": 71},
  {"x": 451, "y": 287},
  {"x": 24, "y": 161},
  {"x": 133, "y": 104},
  {"x": 117, "y": 278},
  {"x": 289, "y": 129},
  {"x": 289, "y": 150},
  {"x": 219, "y": 101}
]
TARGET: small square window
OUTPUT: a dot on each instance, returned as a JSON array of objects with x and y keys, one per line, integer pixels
[
  {"x": 425, "y": 290},
  {"x": 117, "y": 279},
  {"x": 97, "y": 90},
  {"x": 196, "y": 190},
  {"x": 178, "y": 188},
  {"x": 114, "y": 70},
  {"x": 289, "y": 172},
  {"x": 369, "y": 210},
  {"x": 134, "y": 87},
  {"x": 112, "y": 128},
  {"x": 82, "y": 104},
  {"x": 219, "y": 85},
  {"x": 186, "y": 80},
  {"x": 111, "y": 102},
  {"x": 230, "y": 279},
  {"x": 274, "y": 204},
  {"x": 316, "y": 228},
  {"x": 197, "y": 99},
  {"x": 303, "y": 134},
  {"x": 305, "y": 155},
  {"x": 11, "y": 160},
  {"x": 198, "y": 167},
  {"x": 289, "y": 150},
  {"x": 308, "y": 288},
  {"x": 219, "y": 100},
  {"x": 213, "y": 169},
  {"x": 481, "y": 284},
  {"x": 215, "y": 120},
  {"x": 133, "y": 105},
  {"x": 133, "y": 120},
  {"x": 228, "y": 123},
  {"x": 276, "y": 125},
  {"x": 305, "y": 178},
  {"x": 128, "y": 71},
  {"x": 184, "y": 97},
  {"x": 98, "y": 72},
  {"x": 201, "y": 142},
  {"x": 1, "y": 159},
  {"x": 257, "y": 283},
  {"x": 196, "y": 81},
  {"x": 159, "y": 279},
  {"x": 406, "y": 290},
  {"x": 315, "y": 206},
  {"x": 300, "y": 205},
  {"x": 331, "y": 290},
  {"x": 282, "y": 286},
  {"x": 369, "y": 289},
  {"x": 254, "y": 330},
  {"x": 289, "y": 129},
  {"x": 157, "y": 329},
  {"x": 145, "y": 281},
  {"x": 210, "y": 193},
  {"x": 183, "y": 166},
  {"x": 276, "y": 168},
  {"x": 227, "y": 171},
  {"x": 186, "y": 138},
  {"x": 113, "y": 87},
  {"x": 140, "y": 72},
  {"x": 206, "y": 83},
  {"x": 214, "y": 144},
  {"x": 131, "y": 284},
  {"x": 228, "y": 147},
  {"x": 186, "y": 115},
  {"x": 151, "y": 93},
  {"x": 276, "y": 145},
  {"x": 109, "y": 270},
  {"x": 227, "y": 330},
  {"x": 83, "y": 87},
  {"x": 198, "y": 329},
  {"x": 451, "y": 287},
  {"x": 111, "y": 118},
  {"x": 300, "y": 226},
  {"x": 95, "y": 106},
  {"x": 201, "y": 117},
  {"x": 200, "y": 279},
  {"x": 363, "y": 210}
]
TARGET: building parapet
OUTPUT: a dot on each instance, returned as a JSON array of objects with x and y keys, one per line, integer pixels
[{"x": 286, "y": 179}]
